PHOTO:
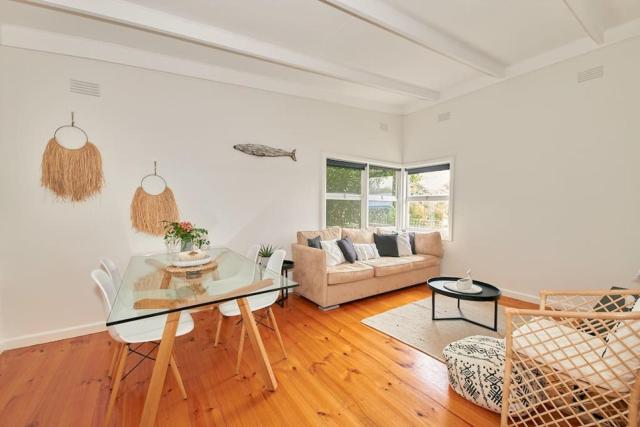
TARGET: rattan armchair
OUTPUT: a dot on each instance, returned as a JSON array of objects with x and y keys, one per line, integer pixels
[{"x": 575, "y": 361}]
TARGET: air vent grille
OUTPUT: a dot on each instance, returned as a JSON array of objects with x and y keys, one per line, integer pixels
[
  {"x": 590, "y": 74},
  {"x": 84, "y": 88},
  {"x": 443, "y": 117}
]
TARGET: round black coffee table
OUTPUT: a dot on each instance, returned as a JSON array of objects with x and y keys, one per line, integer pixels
[{"x": 489, "y": 293}]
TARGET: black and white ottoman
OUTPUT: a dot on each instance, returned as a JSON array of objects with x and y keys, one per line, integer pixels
[
  {"x": 476, "y": 372},
  {"x": 476, "y": 369}
]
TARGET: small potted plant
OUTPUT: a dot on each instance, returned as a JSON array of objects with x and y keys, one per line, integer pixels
[
  {"x": 190, "y": 237},
  {"x": 265, "y": 253}
]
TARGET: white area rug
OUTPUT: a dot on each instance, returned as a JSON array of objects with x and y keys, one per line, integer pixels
[{"x": 412, "y": 323}]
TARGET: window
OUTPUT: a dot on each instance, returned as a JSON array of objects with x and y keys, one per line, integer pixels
[
  {"x": 382, "y": 196},
  {"x": 428, "y": 203},
  {"x": 361, "y": 195},
  {"x": 344, "y": 194}
]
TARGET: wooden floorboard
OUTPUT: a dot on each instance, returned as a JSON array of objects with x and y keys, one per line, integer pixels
[{"x": 339, "y": 372}]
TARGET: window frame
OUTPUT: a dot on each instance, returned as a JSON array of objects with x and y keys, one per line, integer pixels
[
  {"x": 402, "y": 196},
  {"x": 380, "y": 198},
  {"x": 364, "y": 187},
  {"x": 450, "y": 198}
]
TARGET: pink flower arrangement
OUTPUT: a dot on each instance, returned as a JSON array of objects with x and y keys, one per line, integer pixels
[
  {"x": 186, "y": 226},
  {"x": 186, "y": 233}
]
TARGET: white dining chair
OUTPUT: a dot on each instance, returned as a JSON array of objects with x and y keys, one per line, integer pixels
[
  {"x": 112, "y": 270},
  {"x": 135, "y": 332},
  {"x": 256, "y": 302}
]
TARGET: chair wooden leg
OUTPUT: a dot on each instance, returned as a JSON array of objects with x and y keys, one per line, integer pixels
[
  {"x": 122, "y": 361},
  {"x": 114, "y": 359},
  {"x": 272, "y": 318},
  {"x": 240, "y": 348},
  {"x": 218, "y": 329},
  {"x": 178, "y": 377}
]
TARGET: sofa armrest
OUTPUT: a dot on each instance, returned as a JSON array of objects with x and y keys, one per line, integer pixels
[
  {"x": 429, "y": 244},
  {"x": 310, "y": 272}
]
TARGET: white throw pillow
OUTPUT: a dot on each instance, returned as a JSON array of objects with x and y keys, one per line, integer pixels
[
  {"x": 333, "y": 253},
  {"x": 365, "y": 251},
  {"x": 404, "y": 244}
]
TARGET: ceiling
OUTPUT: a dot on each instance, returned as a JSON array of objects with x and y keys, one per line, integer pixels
[{"x": 387, "y": 55}]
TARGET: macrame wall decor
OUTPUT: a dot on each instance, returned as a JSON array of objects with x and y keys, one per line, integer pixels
[
  {"x": 73, "y": 174},
  {"x": 149, "y": 210}
]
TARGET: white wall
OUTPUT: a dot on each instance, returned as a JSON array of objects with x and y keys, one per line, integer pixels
[
  {"x": 547, "y": 179},
  {"x": 189, "y": 126}
]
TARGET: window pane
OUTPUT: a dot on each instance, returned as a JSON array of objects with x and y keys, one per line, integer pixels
[
  {"x": 382, "y": 181},
  {"x": 430, "y": 215},
  {"x": 343, "y": 213},
  {"x": 382, "y": 214},
  {"x": 429, "y": 183},
  {"x": 344, "y": 180}
]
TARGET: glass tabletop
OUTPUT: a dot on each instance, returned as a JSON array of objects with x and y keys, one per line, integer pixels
[{"x": 152, "y": 286}]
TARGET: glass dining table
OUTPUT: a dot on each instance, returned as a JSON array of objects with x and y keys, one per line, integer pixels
[{"x": 152, "y": 286}]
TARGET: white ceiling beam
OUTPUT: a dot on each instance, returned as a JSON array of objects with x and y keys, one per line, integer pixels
[
  {"x": 137, "y": 16},
  {"x": 383, "y": 15},
  {"x": 589, "y": 14}
]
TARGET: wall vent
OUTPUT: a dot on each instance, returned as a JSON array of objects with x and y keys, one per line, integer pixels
[
  {"x": 443, "y": 117},
  {"x": 84, "y": 88},
  {"x": 590, "y": 74}
]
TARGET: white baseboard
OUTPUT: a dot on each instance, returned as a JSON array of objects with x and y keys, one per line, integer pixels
[
  {"x": 53, "y": 335},
  {"x": 521, "y": 296}
]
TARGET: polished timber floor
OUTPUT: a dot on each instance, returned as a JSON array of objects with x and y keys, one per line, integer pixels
[{"x": 339, "y": 372}]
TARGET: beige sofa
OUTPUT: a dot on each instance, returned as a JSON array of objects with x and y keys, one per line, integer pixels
[{"x": 331, "y": 286}]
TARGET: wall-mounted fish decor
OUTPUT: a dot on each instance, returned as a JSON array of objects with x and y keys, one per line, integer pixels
[{"x": 264, "y": 151}]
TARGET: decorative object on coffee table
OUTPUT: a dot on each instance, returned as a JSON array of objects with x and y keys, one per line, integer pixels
[
  {"x": 73, "y": 174},
  {"x": 190, "y": 237},
  {"x": 150, "y": 211},
  {"x": 443, "y": 286}
]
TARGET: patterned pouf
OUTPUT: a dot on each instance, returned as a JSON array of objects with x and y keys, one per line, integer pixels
[{"x": 476, "y": 370}]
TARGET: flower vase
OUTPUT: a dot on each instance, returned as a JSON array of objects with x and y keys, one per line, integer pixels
[{"x": 186, "y": 245}]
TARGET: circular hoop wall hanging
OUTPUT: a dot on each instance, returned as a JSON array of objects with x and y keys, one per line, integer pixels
[
  {"x": 149, "y": 211},
  {"x": 73, "y": 174}
]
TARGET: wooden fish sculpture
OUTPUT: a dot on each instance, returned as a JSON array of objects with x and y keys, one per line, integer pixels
[{"x": 264, "y": 151}]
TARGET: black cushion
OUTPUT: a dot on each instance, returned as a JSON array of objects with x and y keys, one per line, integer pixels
[
  {"x": 314, "y": 243},
  {"x": 607, "y": 304},
  {"x": 412, "y": 241},
  {"x": 349, "y": 252},
  {"x": 387, "y": 244}
]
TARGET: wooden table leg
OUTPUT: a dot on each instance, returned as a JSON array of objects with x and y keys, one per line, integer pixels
[
  {"x": 256, "y": 342},
  {"x": 159, "y": 374},
  {"x": 166, "y": 280}
]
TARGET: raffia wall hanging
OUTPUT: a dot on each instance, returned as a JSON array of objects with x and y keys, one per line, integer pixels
[
  {"x": 149, "y": 211},
  {"x": 73, "y": 174}
]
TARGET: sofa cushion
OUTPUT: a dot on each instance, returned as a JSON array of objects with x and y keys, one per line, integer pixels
[
  {"x": 423, "y": 261},
  {"x": 333, "y": 253},
  {"x": 331, "y": 233},
  {"x": 345, "y": 273},
  {"x": 387, "y": 244},
  {"x": 366, "y": 251},
  {"x": 429, "y": 244},
  {"x": 404, "y": 244},
  {"x": 349, "y": 252},
  {"x": 386, "y": 266},
  {"x": 357, "y": 235},
  {"x": 571, "y": 352},
  {"x": 315, "y": 242}
]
